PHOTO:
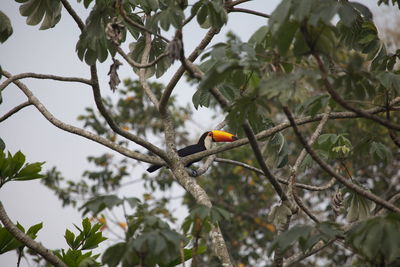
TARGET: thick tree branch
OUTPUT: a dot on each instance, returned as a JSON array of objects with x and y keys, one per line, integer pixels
[
  {"x": 257, "y": 152},
  {"x": 282, "y": 126},
  {"x": 78, "y": 131},
  {"x": 27, "y": 241},
  {"x": 15, "y": 110},
  {"x": 332, "y": 172},
  {"x": 43, "y": 76}
]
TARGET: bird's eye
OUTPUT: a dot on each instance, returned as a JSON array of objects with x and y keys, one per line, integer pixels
[{"x": 210, "y": 134}]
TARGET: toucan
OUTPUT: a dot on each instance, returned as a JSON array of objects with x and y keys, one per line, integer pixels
[{"x": 204, "y": 143}]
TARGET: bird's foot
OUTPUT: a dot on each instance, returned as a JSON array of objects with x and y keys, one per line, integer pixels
[{"x": 191, "y": 172}]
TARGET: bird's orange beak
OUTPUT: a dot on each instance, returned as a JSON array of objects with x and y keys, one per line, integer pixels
[{"x": 221, "y": 136}]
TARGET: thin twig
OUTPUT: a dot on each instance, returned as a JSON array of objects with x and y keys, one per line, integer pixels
[
  {"x": 281, "y": 180},
  {"x": 317, "y": 248},
  {"x": 15, "y": 110},
  {"x": 249, "y": 11},
  {"x": 137, "y": 25},
  {"x": 42, "y": 76},
  {"x": 28, "y": 241},
  {"x": 332, "y": 172},
  {"x": 139, "y": 65},
  {"x": 292, "y": 180}
]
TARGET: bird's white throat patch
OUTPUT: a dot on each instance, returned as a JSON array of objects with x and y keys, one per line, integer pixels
[{"x": 208, "y": 142}]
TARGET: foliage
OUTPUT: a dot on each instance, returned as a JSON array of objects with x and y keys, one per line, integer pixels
[
  {"x": 12, "y": 168},
  {"x": 8, "y": 242},
  {"x": 306, "y": 50},
  {"x": 89, "y": 237},
  {"x": 365, "y": 236}
]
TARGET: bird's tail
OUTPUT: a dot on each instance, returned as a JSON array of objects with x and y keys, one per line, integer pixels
[{"x": 153, "y": 168}]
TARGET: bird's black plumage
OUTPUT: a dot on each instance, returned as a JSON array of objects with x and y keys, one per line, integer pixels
[{"x": 186, "y": 151}]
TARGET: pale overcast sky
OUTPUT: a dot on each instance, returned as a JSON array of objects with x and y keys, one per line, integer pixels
[{"x": 53, "y": 52}]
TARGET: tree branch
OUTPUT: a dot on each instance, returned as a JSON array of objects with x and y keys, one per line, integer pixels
[
  {"x": 142, "y": 72},
  {"x": 282, "y": 126},
  {"x": 73, "y": 14},
  {"x": 249, "y": 11},
  {"x": 135, "y": 24},
  {"x": 292, "y": 180},
  {"x": 78, "y": 131},
  {"x": 28, "y": 241},
  {"x": 332, "y": 172},
  {"x": 139, "y": 65},
  {"x": 346, "y": 105},
  {"x": 43, "y": 76},
  {"x": 178, "y": 74},
  {"x": 100, "y": 106},
  {"x": 15, "y": 110},
  {"x": 281, "y": 180},
  {"x": 254, "y": 145},
  {"x": 298, "y": 257}
]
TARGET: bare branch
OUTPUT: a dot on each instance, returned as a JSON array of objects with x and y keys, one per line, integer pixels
[
  {"x": 139, "y": 65},
  {"x": 281, "y": 180},
  {"x": 43, "y": 76},
  {"x": 301, "y": 256},
  {"x": 292, "y": 180},
  {"x": 142, "y": 72},
  {"x": 27, "y": 241},
  {"x": 78, "y": 131},
  {"x": 111, "y": 122},
  {"x": 332, "y": 172},
  {"x": 15, "y": 110},
  {"x": 249, "y": 11},
  {"x": 73, "y": 14},
  {"x": 261, "y": 162}
]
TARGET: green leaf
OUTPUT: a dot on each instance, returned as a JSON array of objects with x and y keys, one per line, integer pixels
[
  {"x": 30, "y": 172},
  {"x": 187, "y": 255},
  {"x": 114, "y": 254},
  {"x": 98, "y": 204},
  {"x": 34, "y": 229},
  {"x": 286, "y": 239},
  {"x": 70, "y": 238},
  {"x": 365, "y": 236},
  {"x": 5, "y": 29},
  {"x": 46, "y": 11}
]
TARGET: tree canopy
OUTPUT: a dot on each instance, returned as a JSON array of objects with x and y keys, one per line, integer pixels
[{"x": 313, "y": 96}]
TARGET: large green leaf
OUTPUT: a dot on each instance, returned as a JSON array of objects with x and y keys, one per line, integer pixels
[
  {"x": 36, "y": 10},
  {"x": 93, "y": 44},
  {"x": 377, "y": 239},
  {"x": 5, "y": 29}
]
